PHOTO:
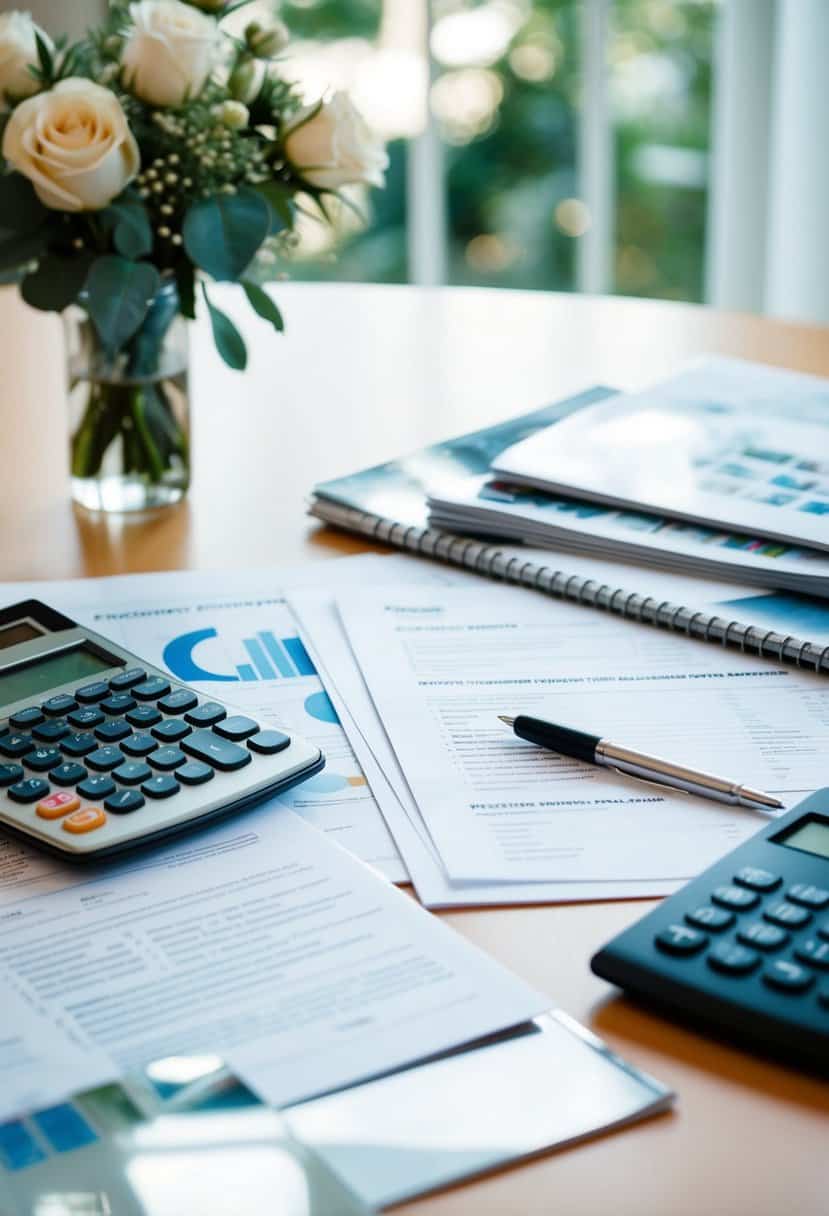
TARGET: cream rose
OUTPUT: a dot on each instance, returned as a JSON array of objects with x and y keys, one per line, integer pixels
[
  {"x": 169, "y": 52},
  {"x": 331, "y": 146},
  {"x": 18, "y": 52},
  {"x": 74, "y": 145}
]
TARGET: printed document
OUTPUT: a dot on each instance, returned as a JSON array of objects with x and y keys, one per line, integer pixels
[
  {"x": 230, "y": 636},
  {"x": 442, "y": 664},
  {"x": 261, "y": 941}
]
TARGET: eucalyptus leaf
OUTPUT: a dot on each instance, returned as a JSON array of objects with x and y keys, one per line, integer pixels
[
  {"x": 119, "y": 293},
  {"x": 222, "y": 233},
  {"x": 279, "y": 200},
  {"x": 21, "y": 211},
  {"x": 229, "y": 342},
  {"x": 186, "y": 284},
  {"x": 57, "y": 282},
  {"x": 263, "y": 305},
  {"x": 18, "y": 250},
  {"x": 132, "y": 234}
]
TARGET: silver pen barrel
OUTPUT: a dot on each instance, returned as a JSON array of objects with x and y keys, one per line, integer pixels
[{"x": 692, "y": 781}]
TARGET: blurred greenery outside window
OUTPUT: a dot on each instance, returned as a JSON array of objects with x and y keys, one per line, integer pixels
[{"x": 504, "y": 86}]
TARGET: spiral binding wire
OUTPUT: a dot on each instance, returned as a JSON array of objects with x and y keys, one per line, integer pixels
[{"x": 489, "y": 560}]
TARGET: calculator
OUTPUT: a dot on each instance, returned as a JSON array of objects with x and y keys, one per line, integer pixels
[
  {"x": 101, "y": 752},
  {"x": 744, "y": 948}
]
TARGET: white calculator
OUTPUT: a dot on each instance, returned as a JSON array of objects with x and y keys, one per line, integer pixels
[{"x": 101, "y": 752}]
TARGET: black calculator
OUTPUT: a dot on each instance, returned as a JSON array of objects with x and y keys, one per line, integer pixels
[
  {"x": 101, "y": 752},
  {"x": 744, "y": 948}
]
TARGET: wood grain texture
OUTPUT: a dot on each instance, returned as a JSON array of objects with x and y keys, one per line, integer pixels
[{"x": 363, "y": 374}]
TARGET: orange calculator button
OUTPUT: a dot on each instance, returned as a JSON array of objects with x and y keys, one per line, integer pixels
[
  {"x": 87, "y": 820},
  {"x": 57, "y": 805}
]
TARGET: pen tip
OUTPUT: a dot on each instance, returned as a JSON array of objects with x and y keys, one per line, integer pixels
[{"x": 505, "y": 719}]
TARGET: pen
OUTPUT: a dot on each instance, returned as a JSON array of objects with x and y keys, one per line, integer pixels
[{"x": 595, "y": 750}]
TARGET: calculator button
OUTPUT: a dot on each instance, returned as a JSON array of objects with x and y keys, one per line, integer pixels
[
  {"x": 25, "y": 718},
  {"x": 786, "y": 914},
  {"x": 171, "y": 731},
  {"x": 161, "y": 786},
  {"x": 51, "y": 732},
  {"x": 85, "y": 718},
  {"x": 92, "y": 692},
  {"x": 60, "y": 704},
  {"x": 78, "y": 745},
  {"x": 167, "y": 758},
  {"x": 4, "y": 728},
  {"x": 126, "y": 679},
  {"x": 822, "y": 930},
  {"x": 144, "y": 715},
  {"x": 124, "y": 802},
  {"x": 105, "y": 758},
  {"x": 132, "y": 772},
  {"x": 113, "y": 732},
  {"x": 206, "y": 714},
  {"x": 151, "y": 689},
  {"x": 823, "y": 995},
  {"x": 139, "y": 745},
  {"x": 67, "y": 774},
  {"x": 31, "y": 789},
  {"x": 237, "y": 727},
  {"x": 268, "y": 742},
  {"x": 808, "y": 895},
  {"x": 813, "y": 952},
  {"x": 221, "y": 753},
  {"x": 194, "y": 773},
  {"x": 709, "y": 917},
  {"x": 16, "y": 745},
  {"x": 761, "y": 935},
  {"x": 756, "y": 879},
  {"x": 42, "y": 759},
  {"x": 787, "y": 976},
  {"x": 735, "y": 897},
  {"x": 57, "y": 805},
  {"x": 9, "y": 773},
  {"x": 179, "y": 701},
  {"x": 679, "y": 939},
  {"x": 85, "y": 820},
  {"x": 732, "y": 959},
  {"x": 119, "y": 703},
  {"x": 97, "y": 786}
]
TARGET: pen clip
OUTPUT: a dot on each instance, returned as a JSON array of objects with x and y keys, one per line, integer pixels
[{"x": 660, "y": 785}]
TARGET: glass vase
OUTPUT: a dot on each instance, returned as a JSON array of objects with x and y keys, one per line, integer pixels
[{"x": 129, "y": 413}]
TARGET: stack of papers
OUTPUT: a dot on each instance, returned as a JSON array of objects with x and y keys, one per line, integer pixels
[{"x": 483, "y": 818}]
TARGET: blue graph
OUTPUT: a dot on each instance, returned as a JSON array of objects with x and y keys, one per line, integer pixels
[{"x": 268, "y": 658}]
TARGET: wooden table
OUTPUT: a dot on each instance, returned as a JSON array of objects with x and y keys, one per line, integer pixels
[{"x": 364, "y": 374}]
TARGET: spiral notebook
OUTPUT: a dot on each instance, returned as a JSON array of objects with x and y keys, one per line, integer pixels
[{"x": 390, "y": 503}]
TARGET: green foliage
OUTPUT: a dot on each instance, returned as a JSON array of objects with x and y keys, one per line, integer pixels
[
  {"x": 21, "y": 211},
  {"x": 229, "y": 342},
  {"x": 279, "y": 198},
  {"x": 119, "y": 293},
  {"x": 223, "y": 233},
  {"x": 263, "y": 305},
  {"x": 18, "y": 250},
  {"x": 129, "y": 223},
  {"x": 186, "y": 285},
  {"x": 57, "y": 282}
]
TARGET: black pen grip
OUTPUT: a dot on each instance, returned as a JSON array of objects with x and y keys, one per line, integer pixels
[{"x": 562, "y": 739}]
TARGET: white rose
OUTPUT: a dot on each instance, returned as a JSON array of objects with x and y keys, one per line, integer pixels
[
  {"x": 331, "y": 146},
  {"x": 169, "y": 51},
  {"x": 74, "y": 145},
  {"x": 18, "y": 51}
]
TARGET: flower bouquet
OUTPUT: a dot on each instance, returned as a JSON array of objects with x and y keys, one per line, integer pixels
[{"x": 157, "y": 155}]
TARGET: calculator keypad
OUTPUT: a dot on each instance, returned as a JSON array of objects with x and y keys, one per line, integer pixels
[
  {"x": 117, "y": 747},
  {"x": 750, "y": 928}
]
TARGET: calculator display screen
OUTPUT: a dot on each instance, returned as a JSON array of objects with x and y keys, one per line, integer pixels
[
  {"x": 810, "y": 835},
  {"x": 50, "y": 670},
  {"x": 22, "y": 631}
]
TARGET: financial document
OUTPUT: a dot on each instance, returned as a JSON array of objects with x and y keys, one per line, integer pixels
[
  {"x": 230, "y": 636},
  {"x": 442, "y": 664},
  {"x": 260, "y": 940}
]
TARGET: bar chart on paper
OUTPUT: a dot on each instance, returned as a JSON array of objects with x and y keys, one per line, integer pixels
[{"x": 266, "y": 657}]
